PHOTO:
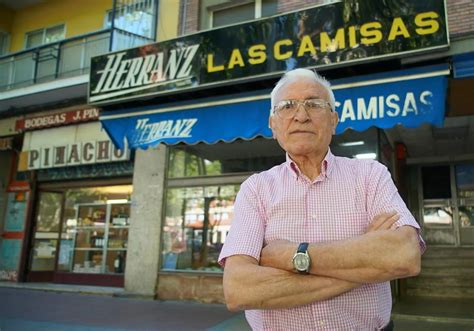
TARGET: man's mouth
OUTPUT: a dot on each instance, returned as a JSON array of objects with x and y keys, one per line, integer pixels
[{"x": 302, "y": 131}]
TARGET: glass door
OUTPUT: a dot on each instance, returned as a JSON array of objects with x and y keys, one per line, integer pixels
[
  {"x": 437, "y": 202},
  {"x": 465, "y": 202},
  {"x": 42, "y": 253},
  {"x": 448, "y": 204}
]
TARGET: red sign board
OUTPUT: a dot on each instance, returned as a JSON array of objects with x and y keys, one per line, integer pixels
[{"x": 57, "y": 119}]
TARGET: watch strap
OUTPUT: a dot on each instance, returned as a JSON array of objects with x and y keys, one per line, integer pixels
[{"x": 302, "y": 248}]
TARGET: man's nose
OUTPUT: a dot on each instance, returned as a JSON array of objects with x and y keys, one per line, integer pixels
[{"x": 301, "y": 114}]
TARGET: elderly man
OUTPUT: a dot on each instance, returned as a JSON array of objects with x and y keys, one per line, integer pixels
[{"x": 316, "y": 240}]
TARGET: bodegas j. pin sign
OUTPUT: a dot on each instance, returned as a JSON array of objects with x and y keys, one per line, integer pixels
[{"x": 339, "y": 33}]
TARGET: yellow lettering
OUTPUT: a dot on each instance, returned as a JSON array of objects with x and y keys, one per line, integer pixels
[
  {"x": 236, "y": 58},
  {"x": 257, "y": 54},
  {"x": 306, "y": 46},
  {"x": 398, "y": 29},
  {"x": 210, "y": 64},
  {"x": 332, "y": 45},
  {"x": 371, "y": 33},
  {"x": 277, "y": 49},
  {"x": 352, "y": 36},
  {"x": 427, "y": 23}
]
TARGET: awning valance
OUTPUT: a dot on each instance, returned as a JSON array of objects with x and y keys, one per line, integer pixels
[
  {"x": 407, "y": 97},
  {"x": 463, "y": 65}
]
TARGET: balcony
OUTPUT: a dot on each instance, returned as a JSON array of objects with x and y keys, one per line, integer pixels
[{"x": 64, "y": 59}]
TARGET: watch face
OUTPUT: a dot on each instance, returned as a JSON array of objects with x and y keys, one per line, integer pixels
[{"x": 301, "y": 262}]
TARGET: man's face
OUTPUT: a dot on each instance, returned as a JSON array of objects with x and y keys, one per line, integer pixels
[{"x": 304, "y": 134}]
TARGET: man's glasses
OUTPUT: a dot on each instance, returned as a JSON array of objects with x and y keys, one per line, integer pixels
[{"x": 288, "y": 108}]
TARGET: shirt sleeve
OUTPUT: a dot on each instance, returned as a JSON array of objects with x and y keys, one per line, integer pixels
[
  {"x": 383, "y": 196},
  {"x": 247, "y": 229}
]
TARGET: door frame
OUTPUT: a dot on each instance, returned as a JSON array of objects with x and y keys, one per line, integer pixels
[
  {"x": 453, "y": 202},
  {"x": 41, "y": 276}
]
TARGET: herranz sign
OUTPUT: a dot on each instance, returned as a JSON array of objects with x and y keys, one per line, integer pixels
[{"x": 330, "y": 35}]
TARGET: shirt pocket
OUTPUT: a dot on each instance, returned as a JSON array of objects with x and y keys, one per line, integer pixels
[{"x": 343, "y": 225}]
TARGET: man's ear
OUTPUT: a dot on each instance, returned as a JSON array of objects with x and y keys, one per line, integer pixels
[
  {"x": 271, "y": 125},
  {"x": 334, "y": 121}
]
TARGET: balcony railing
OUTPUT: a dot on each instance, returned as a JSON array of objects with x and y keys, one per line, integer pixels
[{"x": 63, "y": 59}]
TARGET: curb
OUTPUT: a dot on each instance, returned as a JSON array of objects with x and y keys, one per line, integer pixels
[
  {"x": 437, "y": 319},
  {"x": 65, "y": 289}
]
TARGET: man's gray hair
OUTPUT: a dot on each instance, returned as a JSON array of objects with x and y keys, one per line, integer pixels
[{"x": 294, "y": 75}]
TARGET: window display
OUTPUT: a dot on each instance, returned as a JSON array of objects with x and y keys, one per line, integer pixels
[
  {"x": 95, "y": 230},
  {"x": 196, "y": 225}
]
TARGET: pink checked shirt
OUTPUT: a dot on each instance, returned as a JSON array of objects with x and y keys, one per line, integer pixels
[{"x": 282, "y": 203}]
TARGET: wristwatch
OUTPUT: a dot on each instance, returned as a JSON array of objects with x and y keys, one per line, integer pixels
[{"x": 301, "y": 259}]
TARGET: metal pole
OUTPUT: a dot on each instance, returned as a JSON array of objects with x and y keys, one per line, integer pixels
[
  {"x": 112, "y": 25},
  {"x": 155, "y": 19}
]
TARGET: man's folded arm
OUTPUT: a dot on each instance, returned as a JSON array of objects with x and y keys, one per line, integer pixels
[
  {"x": 370, "y": 258},
  {"x": 247, "y": 285}
]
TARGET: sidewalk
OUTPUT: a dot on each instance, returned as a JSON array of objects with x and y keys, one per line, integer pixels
[
  {"x": 25, "y": 309},
  {"x": 57, "y": 307}
]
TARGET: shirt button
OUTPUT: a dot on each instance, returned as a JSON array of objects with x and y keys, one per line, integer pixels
[{"x": 321, "y": 323}]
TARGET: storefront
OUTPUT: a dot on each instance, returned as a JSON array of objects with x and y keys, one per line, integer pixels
[
  {"x": 215, "y": 143},
  {"x": 77, "y": 229},
  {"x": 14, "y": 200}
]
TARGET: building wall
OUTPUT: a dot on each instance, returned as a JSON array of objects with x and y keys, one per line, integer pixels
[
  {"x": 189, "y": 17},
  {"x": 460, "y": 14},
  {"x": 460, "y": 17},
  {"x": 79, "y": 19},
  {"x": 6, "y": 18},
  {"x": 168, "y": 17}
]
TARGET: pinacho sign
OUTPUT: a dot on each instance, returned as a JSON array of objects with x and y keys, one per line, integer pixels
[{"x": 336, "y": 34}]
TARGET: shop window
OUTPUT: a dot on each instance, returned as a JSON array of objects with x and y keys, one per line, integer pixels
[
  {"x": 224, "y": 158},
  {"x": 95, "y": 228},
  {"x": 44, "y": 36},
  {"x": 196, "y": 224}
]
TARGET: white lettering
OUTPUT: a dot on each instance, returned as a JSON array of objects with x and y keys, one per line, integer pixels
[
  {"x": 149, "y": 132},
  {"x": 348, "y": 111},
  {"x": 365, "y": 113},
  {"x": 391, "y": 103},
  {"x": 409, "y": 105}
]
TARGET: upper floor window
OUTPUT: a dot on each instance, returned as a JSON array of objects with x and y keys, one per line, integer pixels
[
  {"x": 220, "y": 13},
  {"x": 4, "y": 42},
  {"x": 135, "y": 16},
  {"x": 44, "y": 36}
]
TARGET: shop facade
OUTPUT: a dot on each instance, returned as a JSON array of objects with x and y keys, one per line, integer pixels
[
  {"x": 390, "y": 78},
  {"x": 14, "y": 199},
  {"x": 77, "y": 219}
]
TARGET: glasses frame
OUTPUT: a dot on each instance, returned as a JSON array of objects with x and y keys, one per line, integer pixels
[{"x": 304, "y": 103}]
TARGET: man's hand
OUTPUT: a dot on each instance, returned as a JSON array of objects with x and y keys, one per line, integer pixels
[
  {"x": 278, "y": 254},
  {"x": 383, "y": 221}
]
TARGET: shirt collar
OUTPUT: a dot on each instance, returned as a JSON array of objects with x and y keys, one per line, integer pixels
[{"x": 326, "y": 165}]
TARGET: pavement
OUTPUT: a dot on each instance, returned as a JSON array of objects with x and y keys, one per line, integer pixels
[{"x": 54, "y": 307}]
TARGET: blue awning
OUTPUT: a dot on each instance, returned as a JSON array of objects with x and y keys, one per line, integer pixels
[
  {"x": 463, "y": 65},
  {"x": 406, "y": 97}
]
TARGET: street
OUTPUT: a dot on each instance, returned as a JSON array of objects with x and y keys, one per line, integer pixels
[
  {"x": 24, "y": 310},
  {"x": 37, "y": 310}
]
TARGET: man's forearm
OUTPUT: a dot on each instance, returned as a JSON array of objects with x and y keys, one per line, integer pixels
[
  {"x": 374, "y": 257},
  {"x": 248, "y": 285},
  {"x": 370, "y": 258}
]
